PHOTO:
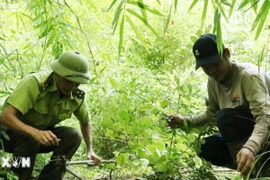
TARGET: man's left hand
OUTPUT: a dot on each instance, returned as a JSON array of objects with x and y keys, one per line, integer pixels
[{"x": 245, "y": 159}]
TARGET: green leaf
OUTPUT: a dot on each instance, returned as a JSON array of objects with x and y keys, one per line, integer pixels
[
  {"x": 134, "y": 28},
  {"x": 147, "y": 8},
  {"x": 142, "y": 8},
  {"x": 261, "y": 18},
  {"x": 45, "y": 32},
  {"x": 51, "y": 39},
  {"x": 204, "y": 12},
  {"x": 192, "y": 5},
  {"x": 143, "y": 20},
  {"x": 168, "y": 20},
  {"x": 112, "y": 4},
  {"x": 218, "y": 30},
  {"x": 113, "y": 82},
  {"x": 243, "y": 4},
  {"x": 124, "y": 115},
  {"x": 175, "y": 4},
  {"x": 221, "y": 9},
  {"x": 232, "y": 7},
  {"x": 5, "y": 135},
  {"x": 121, "y": 34},
  {"x": 116, "y": 15},
  {"x": 121, "y": 159}
]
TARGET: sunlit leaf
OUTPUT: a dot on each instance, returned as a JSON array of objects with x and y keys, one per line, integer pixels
[
  {"x": 121, "y": 34},
  {"x": 232, "y": 7},
  {"x": 45, "y": 32},
  {"x": 143, "y": 20},
  {"x": 121, "y": 159},
  {"x": 192, "y": 5},
  {"x": 124, "y": 115},
  {"x": 243, "y": 4},
  {"x": 175, "y": 4},
  {"x": 218, "y": 30},
  {"x": 260, "y": 18},
  {"x": 112, "y": 4},
  {"x": 168, "y": 20},
  {"x": 142, "y": 8},
  {"x": 204, "y": 12},
  {"x": 135, "y": 29},
  {"x": 146, "y": 7},
  {"x": 116, "y": 15}
]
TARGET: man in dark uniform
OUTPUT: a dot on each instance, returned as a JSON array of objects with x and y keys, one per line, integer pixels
[{"x": 37, "y": 105}]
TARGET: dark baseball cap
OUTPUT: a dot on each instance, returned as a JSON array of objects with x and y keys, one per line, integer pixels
[{"x": 205, "y": 50}]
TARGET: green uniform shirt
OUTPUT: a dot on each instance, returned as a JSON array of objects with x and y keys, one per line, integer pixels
[
  {"x": 37, "y": 98},
  {"x": 248, "y": 88}
]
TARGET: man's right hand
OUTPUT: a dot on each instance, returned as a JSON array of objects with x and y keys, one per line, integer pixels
[
  {"x": 46, "y": 138},
  {"x": 175, "y": 120}
]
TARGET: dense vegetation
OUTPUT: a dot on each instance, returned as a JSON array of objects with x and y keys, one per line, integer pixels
[{"x": 142, "y": 66}]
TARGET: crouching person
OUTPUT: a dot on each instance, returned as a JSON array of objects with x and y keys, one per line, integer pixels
[
  {"x": 239, "y": 104},
  {"x": 37, "y": 105}
]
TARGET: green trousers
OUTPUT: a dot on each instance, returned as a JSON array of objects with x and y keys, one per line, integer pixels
[{"x": 25, "y": 146}]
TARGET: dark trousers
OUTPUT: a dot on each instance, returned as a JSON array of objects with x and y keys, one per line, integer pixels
[
  {"x": 234, "y": 125},
  {"x": 25, "y": 146}
]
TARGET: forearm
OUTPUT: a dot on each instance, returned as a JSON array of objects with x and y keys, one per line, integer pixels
[
  {"x": 200, "y": 119},
  {"x": 11, "y": 121},
  {"x": 259, "y": 135},
  {"x": 86, "y": 130}
]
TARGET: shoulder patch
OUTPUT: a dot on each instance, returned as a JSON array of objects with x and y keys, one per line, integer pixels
[
  {"x": 46, "y": 84},
  {"x": 78, "y": 93}
]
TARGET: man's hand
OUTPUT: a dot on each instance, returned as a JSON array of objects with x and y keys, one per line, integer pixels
[
  {"x": 244, "y": 159},
  {"x": 94, "y": 157},
  {"x": 175, "y": 120},
  {"x": 46, "y": 138}
]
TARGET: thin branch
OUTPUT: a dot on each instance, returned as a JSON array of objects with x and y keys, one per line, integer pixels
[{"x": 88, "y": 43}]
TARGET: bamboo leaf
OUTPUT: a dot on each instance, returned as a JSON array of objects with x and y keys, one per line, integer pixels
[
  {"x": 175, "y": 4},
  {"x": 112, "y": 4},
  {"x": 134, "y": 28},
  {"x": 222, "y": 12},
  {"x": 264, "y": 12},
  {"x": 121, "y": 33},
  {"x": 232, "y": 7},
  {"x": 51, "y": 39},
  {"x": 147, "y": 8},
  {"x": 204, "y": 12},
  {"x": 243, "y": 4},
  {"x": 143, "y": 20},
  {"x": 116, "y": 15},
  {"x": 45, "y": 32},
  {"x": 142, "y": 8},
  {"x": 137, "y": 15},
  {"x": 254, "y": 4},
  {"x": 261, "y": 56},
  {"x": 260, "y": 18},
  {"x": 217, "y": 28},
  {"x": 192, "y": 5},
  {"x": 168, "y": 20}
]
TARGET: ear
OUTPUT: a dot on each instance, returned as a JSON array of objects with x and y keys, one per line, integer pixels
[{"x": 226, "y": 53}]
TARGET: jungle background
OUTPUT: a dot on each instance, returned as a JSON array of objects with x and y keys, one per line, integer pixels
[{"x": 141, "y": 67}]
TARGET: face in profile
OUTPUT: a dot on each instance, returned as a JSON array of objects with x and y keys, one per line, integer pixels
[{"x": 65, "y": 86}]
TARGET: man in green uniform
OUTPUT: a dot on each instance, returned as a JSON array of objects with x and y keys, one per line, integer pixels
[
  {"x": 37, "y": 105},
  {"x": 239, "y": 104}
]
